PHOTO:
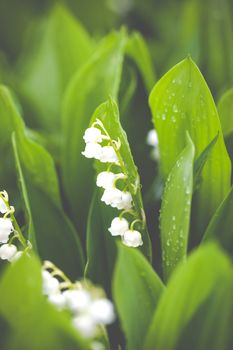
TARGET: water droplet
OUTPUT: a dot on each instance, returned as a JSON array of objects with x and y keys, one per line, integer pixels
[
  {"x": 173, "y": 119},
  {"x": 174, "y": 108}
]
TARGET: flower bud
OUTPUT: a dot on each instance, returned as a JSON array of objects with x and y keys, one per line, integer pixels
[
  {"x": 77, "y": 300},
  {"x": 50, "y": 284},
  {"x": 132, "y": 238},
  {"x": 118, "y": 226},
  {"x": 152, "y": 138},
  {"x": 3, "y": 207}
]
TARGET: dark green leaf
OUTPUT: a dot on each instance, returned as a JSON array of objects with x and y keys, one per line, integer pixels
[
  {"x": 136, "y": 289},
  {"x": 90, "y": 87}
]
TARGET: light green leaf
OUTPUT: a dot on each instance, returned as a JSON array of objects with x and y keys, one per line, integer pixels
[
  {"x": 33, "y": 322},
  {"x": 137, "y": 49},
  {"x": 108, "y": 114},
  {"x": 190, "y": 286},
  {"x": 181, "y": 101},
  {"x": 63, "y": 48},
  {"x": 90, "y": 87},
  {"x": 136, "y": 289},
  {"x": 225, "y": 110},
  {"x": 175, "y": 210}
]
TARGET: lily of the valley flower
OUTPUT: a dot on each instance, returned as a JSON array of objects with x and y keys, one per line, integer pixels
[
  {"x": 92, "y": 150},
  {"x": 152, "y": 140},
  {"x": 7, "y": 251},
  {"x": 92, "y": 135},
  {"x": 77, "y": 300},
  {"x": 117, "y": 199},
  {"x": 50, "y": 284},
  {"x": 108, "y": 155},
  {"x": 132, "y": 238},
  {"x": 118, "y": 226},
  {"x": 6, "y": 228},
  {"x": 107, "y": 179}
]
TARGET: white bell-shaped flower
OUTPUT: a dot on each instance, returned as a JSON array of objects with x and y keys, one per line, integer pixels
[
  {"x": 112, "y": 196},
  {"x": 118, "y": 226},
  {"x": 108, "y": 155},
  {"x": 97, "y": 346},
  {"x": 132, "y": 238},
  {"x": 50, "y": 284},
  {"x": 106, "y": 179},
  {"x": 7, "y": 251},
  {"x": 126, "y": 201},
  {"x": 85, "y": 324},
  {"x": 58, "y": 300},
  {"x": 152, "y": 138},
  {"x": 6, "y": 228},
  {"x": 92, "y": 150},
  {"x": 102, "y": 311},
  {"x": 3, "y": 207},
  {"x": 92, "y": 135},
  {"x": 77, "y": 300}
]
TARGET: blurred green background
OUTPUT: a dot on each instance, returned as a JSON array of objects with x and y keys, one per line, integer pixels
[{"x": 173, "y": 28}]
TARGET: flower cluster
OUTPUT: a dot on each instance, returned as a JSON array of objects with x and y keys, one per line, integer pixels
[
  {"x": 89, "y": 307},
  {"x": 8, "y": 233},
  {"x": 152, "y": 140},
  {"x": 94, "y": 138}
]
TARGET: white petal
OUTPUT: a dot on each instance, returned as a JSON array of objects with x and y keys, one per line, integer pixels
[
  {"x": 50, "y": 284},
  {"x": 108, "y": 155},
  {"x": 85, "y": 325},
  {"x": 118, "y": 226},
  {"x": 7, "y": 251},
  {"x": 102, "y": 311},
  {"x": 112, "y": 196},
  {"x": 6, "y": 228},
  {"x": 92, "y": 135},
  {"x": 77, "y": 300},
  {"x": 92, "y": 150},
  {"x": 57, "y": 300},
  {"x": 105, "y": 179},
  {"x": 132, "y": 238},
  {"x": 3, "y": 207},
  {"x": 152, "y": 138}
]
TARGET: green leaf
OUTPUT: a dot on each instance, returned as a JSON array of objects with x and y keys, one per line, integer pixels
[
  {"x": 137, "y": 49},
  {"x": 63, "y": 48},
  {"x": 49, "y": 230},
  {"x": 90, "y": 87},
  {"x": 101, "y": 248},
  {"x": 175, "y": 210},
  {"x": 200, "y": 162},
  {"x": 34, "y": 324},
  {"x": 220, "y": 227},
  {"x": 136, "y": 289},
  {"x": 225, "y": 110},
  {"x": 108, "y": 114},
  {"x": 181, "y": 101},
  {"x": 190, "y": 286}
]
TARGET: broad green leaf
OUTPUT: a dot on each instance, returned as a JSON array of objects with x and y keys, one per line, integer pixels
[
  {"x": 101, "y": 248},
  {"x": 136, "y": 289},
  {"x": 137, "y": 49},
  {"x": 190, "y": 286},
  {"x": 181, "y": 101},
  {"x": 49, "y": 230},
  {"x": 108, "y": 114},
  {"x": 225, "y": 110},
  {"x": 200, "y": 162},
  {"x": 90, "y": 87},
  {"x": 220, "y": 227},
  {"x": 33, "y": 322},
  {"x": 175, "y": 210},
  {"x": 211, "y": 327},
  {"x": 63, "y": 48}
]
